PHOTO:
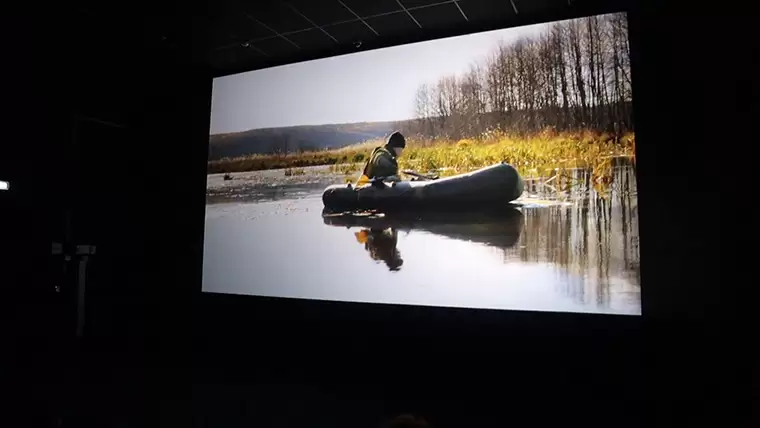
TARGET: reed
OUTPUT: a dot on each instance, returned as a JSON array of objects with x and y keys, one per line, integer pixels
[{"x": 538, "y": 155}]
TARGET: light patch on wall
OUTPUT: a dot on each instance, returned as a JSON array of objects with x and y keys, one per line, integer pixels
[{"x": 4, "y": 185}]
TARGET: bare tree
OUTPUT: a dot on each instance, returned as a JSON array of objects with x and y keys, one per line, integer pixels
[
  {"x": 424, "y": 111},
  {"x": 472, "y": 106},
  {"x": 496, "y": 87},
  {"x": 575, "y": 75},
  {"x": 576, "y": 58},
  {"x": 558, "y": 46}
]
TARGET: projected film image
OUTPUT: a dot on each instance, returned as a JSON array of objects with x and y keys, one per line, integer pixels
[{"x": 494, "y": 170}]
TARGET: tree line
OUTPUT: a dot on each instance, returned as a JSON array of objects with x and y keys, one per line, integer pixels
[{"x": 575, "y": 75}]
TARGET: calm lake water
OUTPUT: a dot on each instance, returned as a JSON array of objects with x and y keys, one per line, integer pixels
[{"x": 562, "y": 248}]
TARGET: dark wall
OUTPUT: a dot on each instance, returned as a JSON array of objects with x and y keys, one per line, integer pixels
[
  {"x": 692, "y": 241},
  {"x": 153, "y": 348},
  {"x": 101, "y": 147}
]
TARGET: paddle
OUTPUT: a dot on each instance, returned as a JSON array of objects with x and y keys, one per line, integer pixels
[
  {"x": 418, "y": 175},
  {"x": 365, "y": 180}
]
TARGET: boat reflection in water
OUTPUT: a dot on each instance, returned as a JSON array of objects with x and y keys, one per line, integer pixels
[{"x": 379, "y": 231}]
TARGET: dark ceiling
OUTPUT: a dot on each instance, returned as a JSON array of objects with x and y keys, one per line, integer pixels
[
  {"x": 231, "y": 36},
  {"x": 247, "y": 35},
  {"x": 133, "y": 43}
]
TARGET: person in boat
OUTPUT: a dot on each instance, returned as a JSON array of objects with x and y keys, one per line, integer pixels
[
  {"x": 382, "y": 162},
  {"x": 381, "y": 246}
]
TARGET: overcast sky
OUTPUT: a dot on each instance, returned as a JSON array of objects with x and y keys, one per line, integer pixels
[{"x": 370, "y": 86}]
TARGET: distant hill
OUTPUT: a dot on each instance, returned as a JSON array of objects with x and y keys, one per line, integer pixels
[{"x": 295, "y": 138}]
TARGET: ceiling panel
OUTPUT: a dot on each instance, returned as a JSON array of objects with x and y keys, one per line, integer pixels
[
  {"x": 242, "y": 27},
  {"x": 277, "y": 16},
  {"x": 235, "y": 55},
  {"x": 395, "y": 24},
  {"x": 276, "y": 47},
  {"x": 532, "y": 6},
  {"x": 487, "y": 10},
  {"x": 419, "y": 3},
  {"x": 351, "y": 32},
  {"x": 322, "y": 12},
  {"x": 312, "y": 39},
  {"x": 438, "y": 16},
  {"x": 372, "y": 7},
  {"x": 232, "y": 23}
]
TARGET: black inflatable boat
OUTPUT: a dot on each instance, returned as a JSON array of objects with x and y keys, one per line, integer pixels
[{"x": 494, "y": 185}]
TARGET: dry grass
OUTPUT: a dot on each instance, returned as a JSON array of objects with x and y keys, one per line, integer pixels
[
  {"x": 363, "y": 147},
  {"x": 538, "y": 155},
  {"x": 294, "y": 171},
  {"x": 292, "y": 160},
  {"x": 345, "y": 169}
]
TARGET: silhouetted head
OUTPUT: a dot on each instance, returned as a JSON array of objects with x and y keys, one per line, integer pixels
[
  {"x": 381, "y": 245},
  {"x": 396, "y": 143},
  {"x": 394, "y": 262}
]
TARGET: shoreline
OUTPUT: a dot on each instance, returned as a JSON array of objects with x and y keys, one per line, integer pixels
[{"x": 533, "y": 156}]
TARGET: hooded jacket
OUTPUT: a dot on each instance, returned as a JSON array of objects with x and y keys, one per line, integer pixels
[{"x": 382, "y": 161}]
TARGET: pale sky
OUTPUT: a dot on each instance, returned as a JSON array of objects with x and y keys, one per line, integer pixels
[{"x": 377, "y": 85}]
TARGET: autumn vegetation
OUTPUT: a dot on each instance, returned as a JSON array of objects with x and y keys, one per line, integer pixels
[
  {"x": 575, "y": 76},
  {"x": 558, "y": 100}
]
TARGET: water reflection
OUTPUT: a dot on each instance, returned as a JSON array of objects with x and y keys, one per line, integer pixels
[
  {"x": 590, "y": 241},
  {"x": 258, "y": 192},
  {"x": 379, "y": 231},
  {"x": 593, "y": 243},
  {"x": 568, "y": 248},
  {"x": 381, "y": 246}
]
